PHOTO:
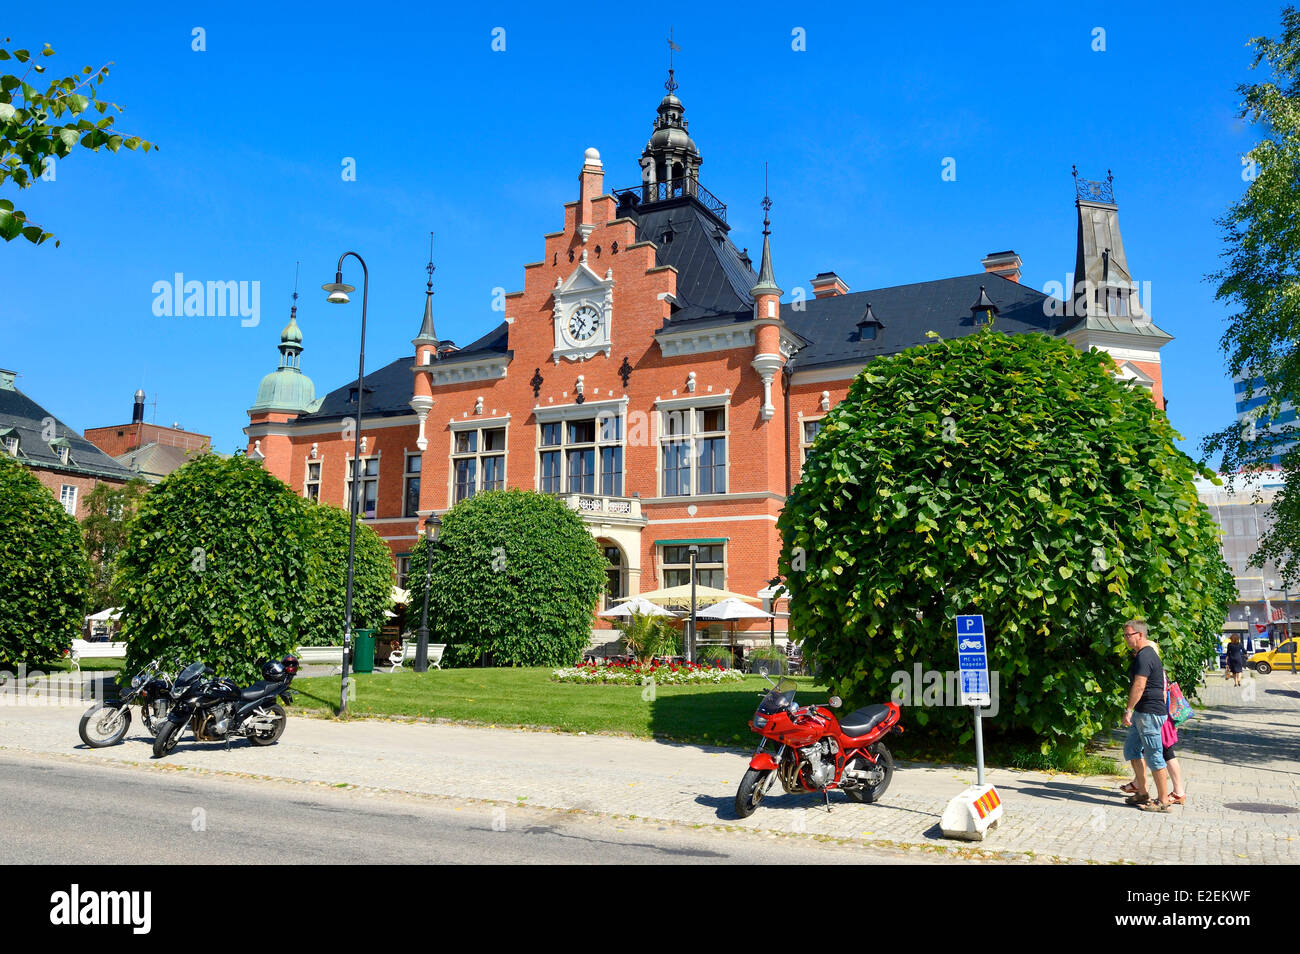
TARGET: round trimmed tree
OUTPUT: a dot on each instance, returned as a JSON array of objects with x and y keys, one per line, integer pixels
[
  {"x": 44, "y": 573},
  {"x": 516, "y": 577},
  {"x": 215, "y": 569},
  {"x": 372, "y": 576},
  {"x": 1011, "y": 476}
]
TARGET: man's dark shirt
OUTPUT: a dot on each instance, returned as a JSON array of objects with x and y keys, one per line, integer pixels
[{"x": 1147, "y": 663}]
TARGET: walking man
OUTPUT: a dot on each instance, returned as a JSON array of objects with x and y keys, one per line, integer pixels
[{"x": 1145, "y": 714}]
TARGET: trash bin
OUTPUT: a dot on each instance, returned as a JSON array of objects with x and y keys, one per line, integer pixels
[{"x": 363, "y": 650}]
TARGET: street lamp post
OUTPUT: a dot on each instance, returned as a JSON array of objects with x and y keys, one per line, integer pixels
[
  {"x": 338, "y": 295},
  {"x": 431, "y": 527},
  {"x": 690, "y": 633},
  {"x": 1290, "y": 638}
]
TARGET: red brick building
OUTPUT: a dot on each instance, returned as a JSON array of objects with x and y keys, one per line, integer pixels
[
  {"x": 647, "y": 374},
  {"x": 149, "y": 450},
  {"x": 60, "y": 458}
]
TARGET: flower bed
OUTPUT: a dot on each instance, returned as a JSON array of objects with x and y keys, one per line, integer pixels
[{"x": 635, "y": 674}]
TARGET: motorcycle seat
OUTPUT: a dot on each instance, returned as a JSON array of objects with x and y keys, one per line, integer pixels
[
  {"x": 257, "y": 690},
  {"x": 863, "y": 720}
]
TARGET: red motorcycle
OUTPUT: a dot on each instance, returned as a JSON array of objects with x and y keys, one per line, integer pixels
[{"x": 817, "y": 752}]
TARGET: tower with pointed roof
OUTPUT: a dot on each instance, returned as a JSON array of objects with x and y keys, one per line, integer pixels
[
  {"x": 426, "y": 353},
  {"x": 1107, "y": 310},
  {"x": 286, "y": 390},
  {"x": 768, "y": 359},
  {"x": 670, "y": 164}
]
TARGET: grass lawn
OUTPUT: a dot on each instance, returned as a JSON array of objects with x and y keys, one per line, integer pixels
[
  {"x": 704, "y": 715},
  {"x": 63, "y": 665}
]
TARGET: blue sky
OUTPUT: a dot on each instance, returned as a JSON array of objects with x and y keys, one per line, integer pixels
[{"x": 483, "y": 147}]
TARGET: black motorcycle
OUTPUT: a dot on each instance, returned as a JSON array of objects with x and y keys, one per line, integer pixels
[
  {"x": 217, "y": 710},
  {"x": 106, "y": 723}
]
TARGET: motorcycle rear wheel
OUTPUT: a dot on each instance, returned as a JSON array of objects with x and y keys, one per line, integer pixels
[
  {"x": 883, "y": 772},
  {"x": 169, "y": 733},
  {"x": 753, "y": 787},
  {"x": 104, "y": 723},
  {"x": 273, "y": 736}
]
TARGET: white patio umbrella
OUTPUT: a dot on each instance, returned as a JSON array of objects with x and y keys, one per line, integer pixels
[
  {"x": 104, "y": 615},
  {"x": 399, "y": 595},
  {"x": 732, "y": 608},
  {"x": 681, "y": 596},
  {"x": 637, "y": 606}
]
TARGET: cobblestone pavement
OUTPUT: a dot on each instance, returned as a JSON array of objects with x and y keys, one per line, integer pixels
[{"x": 1240, "y": 750}]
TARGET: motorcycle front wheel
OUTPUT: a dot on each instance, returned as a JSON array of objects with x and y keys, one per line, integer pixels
[
  {"x": 881, "y": 774},
  {"x": 752, "y": 789},
  {"x": 169, "y": 733},
  {"x": 104, "y": 723},
  {"x": 271, "y": 736}
]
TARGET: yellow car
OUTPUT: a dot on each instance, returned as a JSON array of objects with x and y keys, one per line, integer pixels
[{"x": 1286, "y": 657}]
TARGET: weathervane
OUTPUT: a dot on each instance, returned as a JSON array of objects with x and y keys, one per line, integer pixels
[
  {"x": 672, "y": 47},
  {"x": 767, "y": 203}
]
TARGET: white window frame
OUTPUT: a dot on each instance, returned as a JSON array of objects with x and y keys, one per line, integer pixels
[
  {"x": 804, "y": 443},
  {"x": 606, "y": 436},
  {"x": 478, "y": 425},
  {"x": 11, "y": 445},
  {"x": 665, "y": 566},
  {"x": 691, "y": 407},
  {"x": 69, "y": 501},
  {"x": 308, "y": 483},
  {"x": 365, "y": 479},
  {"x": 407, "y": 475}
]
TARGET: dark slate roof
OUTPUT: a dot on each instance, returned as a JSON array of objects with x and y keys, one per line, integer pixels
[
  {"x": 907, "y": 312},
  {"x": 388, "y": 393},
  {"x": 712, "y": 277},
  {"x": 25, "y": 416},
  {"x": 492, "y": 344},
  {"x": 155, "y": 461}
]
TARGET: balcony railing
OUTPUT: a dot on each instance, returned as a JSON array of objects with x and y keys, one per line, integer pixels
[
  {"x": 647, "y": 193},
  {"x": 627, "y": 507}
]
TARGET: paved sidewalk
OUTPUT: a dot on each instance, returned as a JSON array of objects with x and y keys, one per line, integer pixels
[{"x": 1241, "y": 749}]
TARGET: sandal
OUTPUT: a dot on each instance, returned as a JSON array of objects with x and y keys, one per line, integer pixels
[
  {"x": 1153, "y": 807},
  {"x": 1129, "y": 788},
  {"x": 1177, "y": 799},
  {"x": 1138, "y": 798}
]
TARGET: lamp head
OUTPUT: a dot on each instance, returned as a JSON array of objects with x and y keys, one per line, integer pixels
[
  {"x": 338, "y": 292},
  {"x": 431, "y": 528}
]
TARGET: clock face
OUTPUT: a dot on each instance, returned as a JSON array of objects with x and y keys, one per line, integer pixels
[{"x": 583, "y": 323}]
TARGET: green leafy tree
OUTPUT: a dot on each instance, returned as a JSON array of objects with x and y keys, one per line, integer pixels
[
  {"x": 44, "y": 574},
  {"x": 516, "y": 577},
  {"x": 39, "y": 125},
  {"x": 372, "y": 577},
  {"x": 215, "y": 569},
  {"x": 1260, "y": 282},
  {"x": 109, "y": 510},
  {"x": 1015, "y": 477}
]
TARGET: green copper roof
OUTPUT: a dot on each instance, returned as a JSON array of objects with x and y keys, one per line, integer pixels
[
  {"x": 286, "y": 389},
  {"x": 292, "y": 334}
]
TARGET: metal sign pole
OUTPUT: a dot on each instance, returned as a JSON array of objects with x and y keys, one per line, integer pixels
[{"x": 979, "y": 749}]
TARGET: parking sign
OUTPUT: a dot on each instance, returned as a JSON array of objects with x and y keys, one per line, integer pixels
[{"x": 973, "y": 661}]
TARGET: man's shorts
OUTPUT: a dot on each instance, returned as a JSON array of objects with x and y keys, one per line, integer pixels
[{"x": 1144, "y": 739}]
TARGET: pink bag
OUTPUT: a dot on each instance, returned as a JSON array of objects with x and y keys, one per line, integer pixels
[{"x": 1169, "y": 731}]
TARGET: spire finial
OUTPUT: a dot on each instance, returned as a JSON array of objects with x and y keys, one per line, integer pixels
[
  {"x": 429, "y": 268},
  {"x": 672, "y": 47},
  {"x": 767, "y": 204},
  {"x": 766, "y": 279},
  {"x": 293, "y": 307}
]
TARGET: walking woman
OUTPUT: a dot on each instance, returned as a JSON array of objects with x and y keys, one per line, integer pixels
[{"x": 1236, "y": 659}]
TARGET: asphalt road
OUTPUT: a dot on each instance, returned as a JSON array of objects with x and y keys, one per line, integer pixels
[{"x": 55, "y": 812}]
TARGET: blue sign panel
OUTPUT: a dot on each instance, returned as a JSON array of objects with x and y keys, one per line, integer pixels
[{"x": 972, "y": 661}]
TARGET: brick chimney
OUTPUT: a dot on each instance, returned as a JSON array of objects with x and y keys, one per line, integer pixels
[
  {"x": 828, "y": 285},
  {"x": 1007, "y": 264},
  {"x": 590, "y": 184}
]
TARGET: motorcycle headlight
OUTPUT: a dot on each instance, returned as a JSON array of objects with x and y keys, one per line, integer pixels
[
  {"x": 135, "y": 683},
  {"x": 177, "y": 691},
  {"x": 759, "y": 721}
]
